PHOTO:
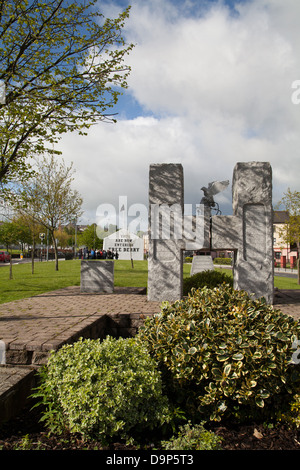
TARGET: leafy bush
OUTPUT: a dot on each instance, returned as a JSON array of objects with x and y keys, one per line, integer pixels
[
  {"x": 193, "y": 438},
  {"x": 102, "y": 389},
  {"x": 224, "y": 355},
  {"x": 224, "y": 261},
  {"x": 207, "y": 278},
  {"x": 292, "y": 416},
  {"x": 188, "y": 259}
]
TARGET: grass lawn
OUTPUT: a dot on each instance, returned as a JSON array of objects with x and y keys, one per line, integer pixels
[
  {"x": 45, "y": 278},
  {"x": 279, "y": 282}
]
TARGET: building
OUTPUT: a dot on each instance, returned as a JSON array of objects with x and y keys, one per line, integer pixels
[
  {"x": 127, "y": 245},
  {"x": 283, "y": 252}
]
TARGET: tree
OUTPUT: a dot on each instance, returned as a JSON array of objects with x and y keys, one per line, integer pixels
[
  {"x": 48, "y": 197},
  {"x": 10, "y": 234},
  {"x": 90, "y": 239},
  {"x": 291, "y": 232},
  {"x": 62, "y": 66},
  {"x": 62, "y": 237},
  {"x": 31, "y": 230}
]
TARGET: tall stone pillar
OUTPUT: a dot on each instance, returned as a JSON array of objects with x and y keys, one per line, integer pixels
[
  {"x": 166, "y": 204},
  {"x": 249, "y": 231},
  {"x": 252, "y": 205}
]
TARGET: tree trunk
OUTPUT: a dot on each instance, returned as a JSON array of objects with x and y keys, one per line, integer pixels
[{"x": 55, "y": 251}]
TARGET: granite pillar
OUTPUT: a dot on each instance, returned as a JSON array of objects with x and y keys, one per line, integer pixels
[{"x": 165, "y": 232}]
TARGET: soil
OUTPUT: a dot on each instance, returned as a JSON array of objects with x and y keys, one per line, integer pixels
[{"x": 250, "y": 437}]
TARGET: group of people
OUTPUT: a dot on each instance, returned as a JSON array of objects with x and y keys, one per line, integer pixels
[{"x": 97, "y": 254}]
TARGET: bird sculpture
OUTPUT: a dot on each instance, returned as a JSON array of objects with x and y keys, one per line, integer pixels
[{"x": 213, "y": 188}]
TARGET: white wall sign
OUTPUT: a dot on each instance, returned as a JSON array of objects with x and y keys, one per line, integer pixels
[{"x": 127, "y": 245}]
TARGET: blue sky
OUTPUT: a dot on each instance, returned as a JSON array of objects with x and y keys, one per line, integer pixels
[{"x": 211, "y": 85}]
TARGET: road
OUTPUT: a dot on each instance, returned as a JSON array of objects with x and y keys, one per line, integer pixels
[{"x": 25, "y": 260}]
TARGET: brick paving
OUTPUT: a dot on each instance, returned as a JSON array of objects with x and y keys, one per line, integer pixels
[
  {"x": 33, "y": 326},
  {"x": 46, "y": 321},
  {"x": 288, "y": 301}
]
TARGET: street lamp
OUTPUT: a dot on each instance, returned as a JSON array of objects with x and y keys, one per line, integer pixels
[{"x": 42, "y": 237}]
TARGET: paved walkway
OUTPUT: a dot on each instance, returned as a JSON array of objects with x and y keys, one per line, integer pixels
[
  {"x": 31, "y": 327},
  {"x": 288, "y": 301},
  {"x": 34, "y": 326}
]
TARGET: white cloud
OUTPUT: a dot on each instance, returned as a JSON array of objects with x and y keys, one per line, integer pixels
[
  {"x": 219, "y": 88},
  {"x": 217, "y": 63}
]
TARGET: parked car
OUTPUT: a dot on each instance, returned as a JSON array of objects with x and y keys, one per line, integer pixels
[{"x": 4, "y": 256}]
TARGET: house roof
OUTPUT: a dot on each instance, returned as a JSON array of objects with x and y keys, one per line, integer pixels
[{"x": 280, "y": 217}]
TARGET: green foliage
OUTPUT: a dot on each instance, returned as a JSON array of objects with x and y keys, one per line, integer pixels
[
  {"x": 207, "y": 278},
  {"x": 102, "y": 389},
  {"x": 292, "y": 415},
  {"x": 48, "y": 197},
  {"x": 12, "y": 233},
  {"x": 193, "y": 438},
  {"x": 224, "y": 355},
  {"x": 63, "y": 68},
  {"x": 89, "y": 238},
  {"x": 225, "y": 261}
]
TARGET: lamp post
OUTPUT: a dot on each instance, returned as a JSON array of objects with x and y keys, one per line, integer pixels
[
  {"x": 42, "y": 237},
  {"x": 75, "y": 242}
]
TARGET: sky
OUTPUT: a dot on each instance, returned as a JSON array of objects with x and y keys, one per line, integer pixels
[{"x": 211, "y": 85}]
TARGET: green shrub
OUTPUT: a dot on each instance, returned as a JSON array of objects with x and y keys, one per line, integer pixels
[
  {"x": 102, "y": 389},
  {"x": 224, "y": 355},
  {"x": 224, "y": 261},
  {"x": 292, "y": 415},
  {"x": 188, "y": 259},
  {"x": 193, "y": 438},
  {"x": 209, "y": 278}
]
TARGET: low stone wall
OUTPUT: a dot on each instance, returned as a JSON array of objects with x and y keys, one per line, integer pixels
[
  {"x": 116, "y": 325},
  {"x": 16, "y": 384}
]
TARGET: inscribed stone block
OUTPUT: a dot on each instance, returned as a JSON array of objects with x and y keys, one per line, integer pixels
[{"x": 97, "y": 276}]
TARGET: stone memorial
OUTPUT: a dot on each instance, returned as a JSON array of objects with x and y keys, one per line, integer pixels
[
  {"x": 165, "y": 261},
  {"x": 202, "y": 263},
  {"x": 248, "y": 232},
  {"x": 97, "y": 276}
]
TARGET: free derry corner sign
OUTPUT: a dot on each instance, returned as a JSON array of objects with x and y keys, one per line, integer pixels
[{"x": 126, "y": 244}]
